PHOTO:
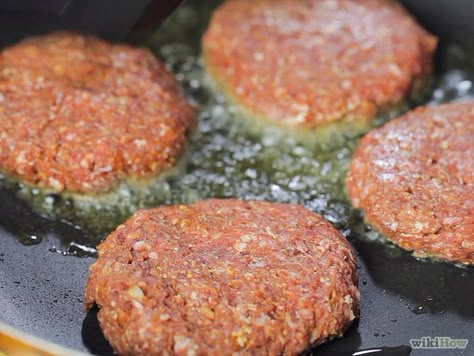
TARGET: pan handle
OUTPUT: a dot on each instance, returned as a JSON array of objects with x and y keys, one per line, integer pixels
[{"x": 14, "y": 342}]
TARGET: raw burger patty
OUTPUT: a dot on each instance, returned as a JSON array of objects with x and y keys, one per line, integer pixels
[
  {"x": 309, "y": 63},
  {"x": 79, "y": 114},
  {"x": 224, "y": 276},
  {"x": 414, "y": 180}
]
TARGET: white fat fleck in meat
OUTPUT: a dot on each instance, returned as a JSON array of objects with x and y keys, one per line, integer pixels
[
  {"x": 302, "y": 110},
  {"x": 394, "y": 226},
  {"x": 56, "y": 184},
  {"x": 419, "y": 226},
  {"x": 141, "y": 246},
  {"x": 259, "y": 56},
  {"x": 70, "y": 136},
  {"x": 240, "y": 246},
  {"x": 395, "y": 69},
  {"x": 140, "y": 143},
  {"x": 184, "y": 344},
  {"x": 105, "y": 169},
  {"x": 21, "y": 158}
]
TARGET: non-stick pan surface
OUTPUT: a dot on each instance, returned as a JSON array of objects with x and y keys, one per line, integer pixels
[{"x": 41, "y": 286}]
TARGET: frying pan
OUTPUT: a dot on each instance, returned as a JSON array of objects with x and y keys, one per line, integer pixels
[
  {"x": 110, "y": 19},
  {"x": 44, "y": 262}
]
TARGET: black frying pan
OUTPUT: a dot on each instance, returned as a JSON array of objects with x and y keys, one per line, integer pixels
[
  {"x": 42, "y": 278},
  {"x": 110, "y": 19},
  {"x": 451, "y": 20}
]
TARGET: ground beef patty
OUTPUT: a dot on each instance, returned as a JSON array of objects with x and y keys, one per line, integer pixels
[
  {"x": 414, "y": 180},
  {"x": 224, "y": 276},
  {"x": 80, "y": 114},
  {"x": 308, "y": 63}
]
